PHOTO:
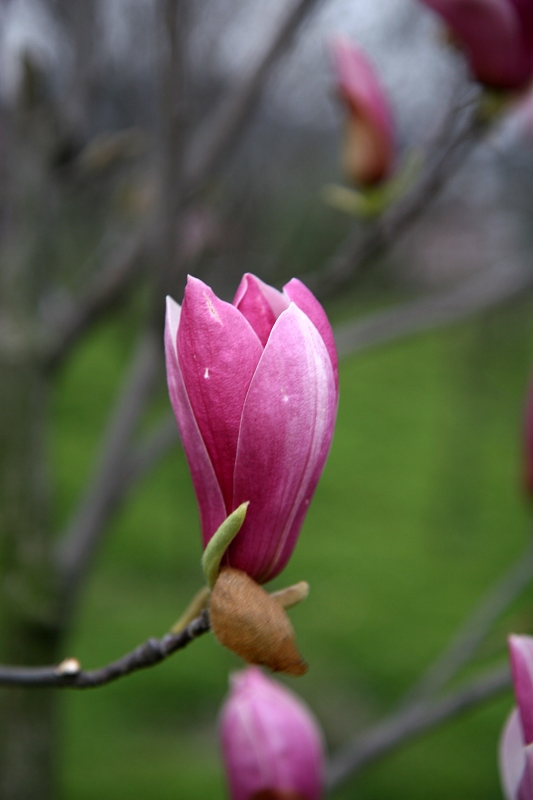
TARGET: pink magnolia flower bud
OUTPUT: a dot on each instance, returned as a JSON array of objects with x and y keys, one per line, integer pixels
[
  {"x": 254, "y": 387},
  {"x": 496, "y": 36},
  {"x": 369, "y": 143},
  {"x": 271, "y": 745},
  {"x": 516, "y": 745}
]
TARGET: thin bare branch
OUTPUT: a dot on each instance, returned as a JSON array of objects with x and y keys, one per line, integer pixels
[
  {"x": 66, "y": 675},
  {"x": 484, "y": 290},
  {"x": 173, "y": 91},
  {"x": 400, "y": 727},
  {"x": 107, "y": 486},
  {"x": 476, "y": 627},
  {"x": 461, "y": 132},
  {"x": 221, "y": 130},
  {"x": 107, "y": 288}
]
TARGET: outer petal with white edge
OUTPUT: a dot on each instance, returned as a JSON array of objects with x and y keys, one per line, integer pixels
[
  {"x": 298, "y": 293},
  {"x": 209, "y": 496}
]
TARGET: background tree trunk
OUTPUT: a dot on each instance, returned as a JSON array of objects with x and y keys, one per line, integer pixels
[
  {"x": 28, "y": 582},
  {"x": 29, "y": 585}
]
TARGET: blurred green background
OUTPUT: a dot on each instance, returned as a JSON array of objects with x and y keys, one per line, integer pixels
[{"x": 420, "y": 508}]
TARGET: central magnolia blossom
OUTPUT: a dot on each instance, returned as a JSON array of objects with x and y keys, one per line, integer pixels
[{"x": 254, "y": 386}]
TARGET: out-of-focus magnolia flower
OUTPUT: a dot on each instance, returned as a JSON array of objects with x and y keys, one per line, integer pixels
[
  {"x": 496, "y": 36},
  {"x": 271, "y": 745},
  {"x": 368, "y": 153},
  {"x": 254, "y": 387},
  {"x": 516, "y": 745}
]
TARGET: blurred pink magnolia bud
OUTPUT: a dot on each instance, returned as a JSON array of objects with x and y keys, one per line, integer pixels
[
  {"x": 496, "y": 36},
  {"x": 271, "y": 745},
  {"x": 254, "y": 387},
  {"x": 369, "y": 140},
  {"x": 516, "y": 745}
]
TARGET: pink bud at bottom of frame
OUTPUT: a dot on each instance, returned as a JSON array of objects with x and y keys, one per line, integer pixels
[{"x": 271, "y": 744}]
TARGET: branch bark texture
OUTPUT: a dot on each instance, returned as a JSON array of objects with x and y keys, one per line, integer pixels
[{"x": 66, "y": 676}]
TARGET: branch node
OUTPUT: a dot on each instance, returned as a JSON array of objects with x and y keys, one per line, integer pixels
[{"x": 68, "y": 668}]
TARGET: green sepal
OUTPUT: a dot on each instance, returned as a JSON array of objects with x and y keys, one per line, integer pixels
[
  {"x": 371, "y": 201},
  {"x": 292, "y": 595},
  {"x": 220, "y": 542}
]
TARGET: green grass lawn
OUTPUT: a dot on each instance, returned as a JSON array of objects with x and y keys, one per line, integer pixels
[{"x": 419, "y": 510}]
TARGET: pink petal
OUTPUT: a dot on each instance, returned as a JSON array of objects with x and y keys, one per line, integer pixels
[
  {"x": 285, "y": 434},
  {"x": 218, "y": 353},
  {"x": 511, "y": 756},
  {"x": 253, "y": 304},
  {"x": 299, "y": 294},
  {"x": 276, "y": 300},
  {"x": 490, "y": 33},
  {"x": 521, "y": 651},
  {"x": 209, "y": 496},
  {"x": 269, "y": 739}
]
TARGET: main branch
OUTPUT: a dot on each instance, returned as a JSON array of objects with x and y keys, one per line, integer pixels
[
  {"x": 67, "y": 675},
  {"x": 461, "y": 132}
]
